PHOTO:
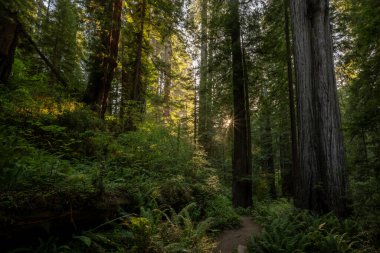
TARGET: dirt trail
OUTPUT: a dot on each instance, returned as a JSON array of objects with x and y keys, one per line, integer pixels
[{"x": 230, "y": 240}]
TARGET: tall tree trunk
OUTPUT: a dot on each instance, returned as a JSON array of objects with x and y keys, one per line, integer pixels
[
  {"x": 137, "y": 83},
  {"x": 105, "y": 61},
  {"x": 9, "y": 30},
  {"x": 133, "y": 88},
  {"x": 290, "y": 177},
  {"x": 110, "y": 62},
  {"x": 241, "y": 160},
  {"x": 247, "y": 107},
  {"x": 204, "y": 127},
  {"x": 321, "y": 185},
  {"x": 167, "y": 79}
]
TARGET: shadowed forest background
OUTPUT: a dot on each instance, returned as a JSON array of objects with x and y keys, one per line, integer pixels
[{"x": 154, "y": 125}]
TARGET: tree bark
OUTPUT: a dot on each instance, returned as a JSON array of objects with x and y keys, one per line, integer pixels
[
  {"x": 321, "y": 184},
  {"x": 241, "y": 160},
  {"x": 247, "y": 110},
  {"x": 111, "y": 61},
  {"x": 105, "y": 59},
  {"x": 290, "y": 177}
]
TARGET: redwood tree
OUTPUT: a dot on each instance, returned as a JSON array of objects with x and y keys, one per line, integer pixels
[
  {"x": 104, "y": 58},
  {"x": 241, "y": 160},
  {"x": 290, "y": 176},
  {"x": 321, "y": 183}
]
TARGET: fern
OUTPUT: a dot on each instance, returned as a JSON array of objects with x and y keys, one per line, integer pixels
[{"x": 301, "y": 231}]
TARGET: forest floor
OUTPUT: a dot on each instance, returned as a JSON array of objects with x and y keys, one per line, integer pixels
[{"x": 229, "y": 240}]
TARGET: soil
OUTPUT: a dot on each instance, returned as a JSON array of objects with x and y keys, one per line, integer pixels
[{"x": 230, "y": 240}]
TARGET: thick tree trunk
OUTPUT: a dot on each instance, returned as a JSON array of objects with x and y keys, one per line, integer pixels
[
  {"x": 9, "y": 30},
  {"x": 111, "y": 61},
  {"x": 290, "y": 176},
  {"x": 241, "y": 160},
  {"x": 105, "y": 61},
  {"x": 321, "y": 185}
]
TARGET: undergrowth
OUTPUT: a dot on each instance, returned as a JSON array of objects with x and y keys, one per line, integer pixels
[
  {"x": 287, "y": 229},
  {"x": 168, "y": 196}
]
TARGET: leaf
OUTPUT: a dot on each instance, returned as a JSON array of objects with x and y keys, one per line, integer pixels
[{"x": 86, "y": 240}]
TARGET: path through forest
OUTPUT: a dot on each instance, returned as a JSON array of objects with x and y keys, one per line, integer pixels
[{"x": 230, "y": 240}]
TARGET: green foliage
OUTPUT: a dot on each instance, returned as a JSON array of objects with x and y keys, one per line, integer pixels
[
  {"x": 357, "y": 27},
  {"x": 260, "y": 186},
  {"x": 25, "y": 167},
  {"x": 366, "y": 202},
  {"x": 265, "y": 211},
  {"x": 137, "y": 168},
  {"x": 154, "y": 231},
  {"x": 57, "y": 156},
  {"x": 285, "y": 229},
  {"x": 220, "y": 207},
  {"x": 80, "y": 120}
]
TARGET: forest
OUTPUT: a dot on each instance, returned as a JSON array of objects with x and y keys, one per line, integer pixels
[{"x": 221, "y": 126}]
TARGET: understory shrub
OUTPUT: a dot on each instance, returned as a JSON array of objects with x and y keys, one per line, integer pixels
[
  {"x": 59, "y": 156},
  {"x": 150, "y": 168},
  {"x": 154, "y": 231},
  {"x": 286, "y": 229},
  {"x": 366, "y": 205},
  {"x": 225, "y": 216}
]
